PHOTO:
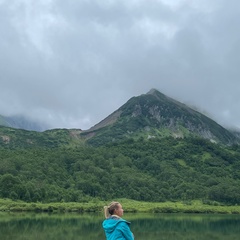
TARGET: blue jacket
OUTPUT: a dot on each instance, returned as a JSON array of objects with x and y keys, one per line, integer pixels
[{"x": 117, "y": 229}]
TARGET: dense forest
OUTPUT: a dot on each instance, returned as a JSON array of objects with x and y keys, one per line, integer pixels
[{"x": 153, "y": 169}]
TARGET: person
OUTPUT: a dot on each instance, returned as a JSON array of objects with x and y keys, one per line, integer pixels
[{"x": 114, "y": 225}]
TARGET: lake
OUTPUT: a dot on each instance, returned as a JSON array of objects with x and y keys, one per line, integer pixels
[{"x": 67, "y": 226}]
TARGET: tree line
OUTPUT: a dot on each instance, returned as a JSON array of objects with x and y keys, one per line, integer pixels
[{"x": 155, "y": 170}]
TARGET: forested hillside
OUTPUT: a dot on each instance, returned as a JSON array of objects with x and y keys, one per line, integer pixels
[
  {"x": 153, "y": 148},
  {"x": 148, "y": 170}
]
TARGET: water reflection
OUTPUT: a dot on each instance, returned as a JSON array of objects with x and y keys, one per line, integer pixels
[
  {"x": 26, "y": 226},
  {"x": 50, "y": 226},
  {"x": 183, "y": 226}
]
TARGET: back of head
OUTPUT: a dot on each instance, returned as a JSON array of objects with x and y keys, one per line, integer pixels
[{"x": 109, "y": 210}]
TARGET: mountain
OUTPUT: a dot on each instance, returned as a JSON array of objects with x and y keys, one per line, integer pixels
[
  {"x": 21, "y": 122},
  {"x": 154, "y": 115},
  {"x": 150, "y": 115},
  {"x": 147, "y": 164}
]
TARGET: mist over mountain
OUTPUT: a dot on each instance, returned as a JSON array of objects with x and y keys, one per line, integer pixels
[{"x": 21, "y": 122}]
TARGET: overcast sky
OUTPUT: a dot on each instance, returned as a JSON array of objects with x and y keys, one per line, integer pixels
[{"x": 72, "y": 63}]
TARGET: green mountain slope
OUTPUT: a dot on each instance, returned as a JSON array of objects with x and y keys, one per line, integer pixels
[
  {"x": 19, "y": 138},
  {"x": 156, "y": 115},
  {"x": 147, "y": 170}
]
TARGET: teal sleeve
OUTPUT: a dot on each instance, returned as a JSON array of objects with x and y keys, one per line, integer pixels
[{"x": 125, "y": 229}]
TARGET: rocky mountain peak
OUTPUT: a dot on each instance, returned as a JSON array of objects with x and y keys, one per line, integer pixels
[{"x": 158, "y": 115}]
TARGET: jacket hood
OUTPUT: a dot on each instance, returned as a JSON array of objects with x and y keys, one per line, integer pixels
[{"x": 111, "y": 223}]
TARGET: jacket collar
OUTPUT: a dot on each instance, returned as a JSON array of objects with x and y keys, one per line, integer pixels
[{"x": 115, "y": 216}]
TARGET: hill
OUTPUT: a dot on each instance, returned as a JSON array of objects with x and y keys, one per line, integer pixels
[
  {"x": 12, "y": 138},
  {"x": 153, "y": 148},
  {"x": 155, "y": 170},
  {"x": 156, "y": 115}
]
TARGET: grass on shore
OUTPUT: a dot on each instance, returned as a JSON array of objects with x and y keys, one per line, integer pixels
[{"x": 95, "y": 205}]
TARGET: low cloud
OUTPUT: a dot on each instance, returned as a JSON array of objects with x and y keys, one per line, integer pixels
[{"x": 70, "y": 64}]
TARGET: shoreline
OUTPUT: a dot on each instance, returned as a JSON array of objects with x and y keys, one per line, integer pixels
[{"x": 131, "y": 206}]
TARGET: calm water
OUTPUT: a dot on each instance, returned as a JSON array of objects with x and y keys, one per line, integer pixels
[{"x": 26, "y": 226}]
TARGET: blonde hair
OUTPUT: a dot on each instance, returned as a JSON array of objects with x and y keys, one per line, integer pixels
[{"x": 109, "y": 210}]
